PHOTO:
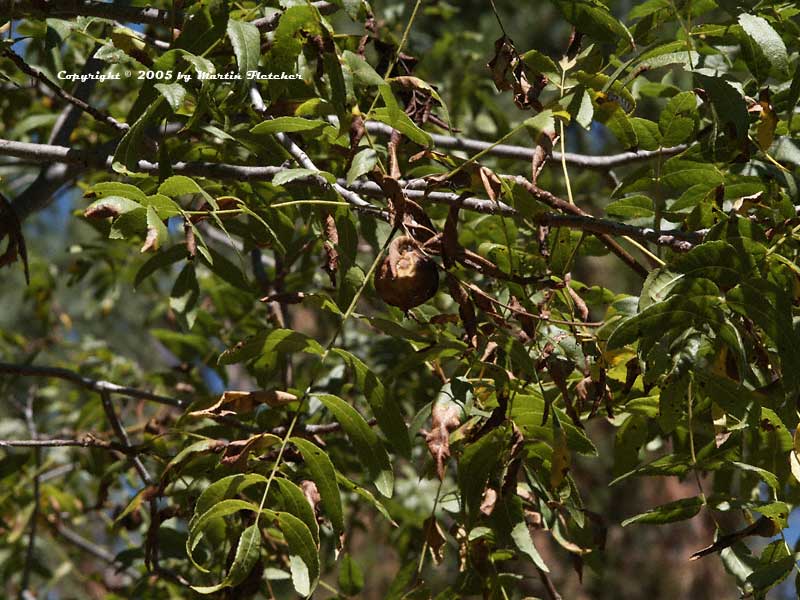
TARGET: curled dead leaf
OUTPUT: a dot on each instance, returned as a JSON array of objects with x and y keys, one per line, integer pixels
[
  {"x": 311, "y": 493},
  {"x": 434, "y": 536},
  {"x": 488, "y": 502},
  {"x": 445, "y": 417},
  {"x": 10, "y": 227},
  {"x": 235, "y": 402},
  {"x": 236, "y": 452}
]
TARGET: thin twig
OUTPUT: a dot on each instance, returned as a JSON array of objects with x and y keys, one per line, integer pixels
[
  {"x": 120, "y": 432},
  {"x": 86, "y": 442},
  {"x": 549, "y": 587},
  {"x": 96, "y": 385}
]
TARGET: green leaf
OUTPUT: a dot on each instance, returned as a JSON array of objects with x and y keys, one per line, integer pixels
[
  {"x": 117, "y": 188},
  {"x": 769, "y": 478},
  {"x": 541, "y": 122},
  {"x": 365, "y": 441},
  {"x": 480, "y": 460},
  {"x": 351, "y": 578},
  {"x": 246, "y": 42},
  {"x": 110, "y": 206},
  {"x": 248, "y": 552},
  {"x": 304, "y": 557},
  {"x": 647, "y": 133},
  {"x": 288, "y": 340},
  {"x": 594, "y": 19},
  {"x": 385, "y": 407},
  {"x": 243, "y": 350},
  {"x": 164, "y": 206},
  {"x": 362, "y": 70},
  {"x": 174, "y": 94},
  {"x": 324, "y": 475},
  {"x": 633, "y": 208},
  {"x": 622, "y": 128},
  {"x": 677, "y": 120},
  {"x": 686, "y": 59},
  {"x": 363, "y": 162},
  {"x": 226, "y": 270},
  {"x": 770, "y": 573},
  {"x": 131, "y": 148},
  {"x": 156, "y": 229},
  {"x": 727, "y": 101},
  {"x": 223, "y": 489},
  {"x": 184, "y": 295},
  {"x": 657, "y": 319},
  {"x": 288, "y": 125},
  {"x": 366, "y": 495},
  {"x": 540, "y": 62},
  {"x": 290, "y": 175},
  {"x": 180, "y": 185},
  {"x": 679, "y": 510},
  {"x": 351, "y": 7},
  {"x": 294, "y": 502},
  {"x": 511, "y": 511},
  {"x": 392, "y": 114},
  {"x": 220, "y": 510},
  {"x": 528, "y": 415},
  {"x": 767, "y": 41}
]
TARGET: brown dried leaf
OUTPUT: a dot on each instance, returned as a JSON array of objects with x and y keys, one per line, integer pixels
[
  {"x": 488, "y": 502},
  {"x": 394, "y": 165},
  {"x": 504, "y": 60},
  {"x": 445, "y": 417},
  {"x": 394, "y": 194},
  {"x": 235, "y": 402},
  {"x": 466, "y": 309},
  {"x": 236, "y": 452},
  {"x": 332, "y": 254},
  {"x": 191, "y": 240},
  {"x": 151, "y": 240},
  {"x": 311, "y": 493},
  {"x": 434, "y": 536},
  {"x": 451, "y": 249},
  {"x": 491, "y": 183},
  {"x": 526, "y": 320},
  {"x": 11, "y": 227}
]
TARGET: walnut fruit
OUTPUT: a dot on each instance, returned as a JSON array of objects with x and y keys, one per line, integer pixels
[{"x": 407, "y": 277}]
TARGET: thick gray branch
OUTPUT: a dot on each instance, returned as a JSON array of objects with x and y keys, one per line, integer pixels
[
  {"x": 414, "y": 189},
  {"x": 526, "y": 153}
]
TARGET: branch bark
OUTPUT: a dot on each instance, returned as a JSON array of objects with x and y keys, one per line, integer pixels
[
  {"x": 96, "y": 385},
  {"x": 414, "y": 189}
]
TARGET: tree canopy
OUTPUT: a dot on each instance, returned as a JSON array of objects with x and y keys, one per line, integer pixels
[{"x": 399, "y": 299}]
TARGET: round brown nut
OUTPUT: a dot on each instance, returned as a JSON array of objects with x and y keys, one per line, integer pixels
[{"x": 407, "y": 277}]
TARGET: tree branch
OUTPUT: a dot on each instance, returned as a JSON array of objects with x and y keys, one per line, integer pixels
[
  {"x": 50, "y": 179},
  {"x": 86, "y": 442},
  {"x": 44, "y": 80},
  {"x": 120, "y": 432},
  {"x": 88, "y": 383},
  {"x": 414, "y": 189},
  {"x": 525, "y": 153}
]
